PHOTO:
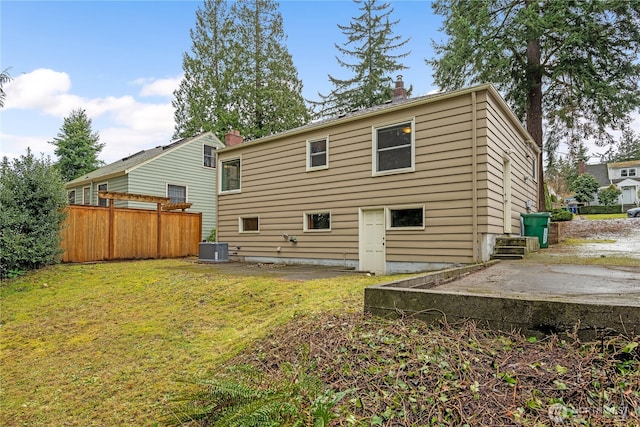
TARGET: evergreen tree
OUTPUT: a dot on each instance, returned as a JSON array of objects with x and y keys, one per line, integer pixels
[
  {"x": 202, "y": 100},
  {"x": 372, "y": 44},
  {"x": 32, "y": 197},
  {"x": 5, "y": 78},
  {"x": 240, "y": 74},
  {"x": 267, "y": 91},
  {"x": 77, "y": 146},
  {"x": 573, "y": 63},
  {"x": 585, "y": 187},
  {"x": 628, "y": 146}
]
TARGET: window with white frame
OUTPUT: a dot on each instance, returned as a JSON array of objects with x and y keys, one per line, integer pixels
[
  {"x": 249, "y": 224},
  {"x": 318, "y": 153},
  {"x": 177, "y": 193},
  {"x": 394, "y": 148},
  {"x": 209, "y": 156},
  {"x": 72, "y": 197},
  {"x": 86, "y": 195},
  {"x": 405, "y": 217},
  {"x": 101, "y": 201},
  {"x": 230, "y": 175},
  {"x": 627, "y": 172},
  {"x": 317, "y": 221}
]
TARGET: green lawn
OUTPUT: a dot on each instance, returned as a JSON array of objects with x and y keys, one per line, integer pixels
[
  {"x": 107, "y": 344},
  {"x": 605, "y": 216}
]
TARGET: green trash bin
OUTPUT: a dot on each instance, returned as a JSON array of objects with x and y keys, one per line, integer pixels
[{"x": 537, "y": 225}]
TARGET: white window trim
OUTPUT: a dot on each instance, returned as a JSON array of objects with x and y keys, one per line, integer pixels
[
  {"x": 326, "y": 165},
  {"x": 305, "y": 224},
  {"x": 374, "y": 147},
  {"x": 215, "y": 155},
  {"x": 241, "y": 229},
  {"x": 69, "y": 196},
  {"x": 387, "y": 213},
  {"x": 84, "y": 202},
  {"x": 186, "y": 190},
  {"x": 220, "y": 168}
]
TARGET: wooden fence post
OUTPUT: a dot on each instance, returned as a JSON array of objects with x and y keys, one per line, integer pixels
[
  {"x": 159, "y": 232},
  {"x": 112, "y": 215}
]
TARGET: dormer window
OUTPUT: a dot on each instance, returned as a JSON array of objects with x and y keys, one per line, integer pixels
[{"x": 627, "y": 172}]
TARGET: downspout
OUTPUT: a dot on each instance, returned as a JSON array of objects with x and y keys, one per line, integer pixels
[{"x": 474, "y": 177}]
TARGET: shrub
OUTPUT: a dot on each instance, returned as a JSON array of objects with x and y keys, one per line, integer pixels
[
  {"x": 33, "y": 198},
  {"x": 561, "y": 215},
  {"x": 586, "y": 210},
  {"x": 609, "y": 195}
]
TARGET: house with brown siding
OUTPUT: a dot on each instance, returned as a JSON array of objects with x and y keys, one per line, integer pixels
[{"x": 412, "y": 185}]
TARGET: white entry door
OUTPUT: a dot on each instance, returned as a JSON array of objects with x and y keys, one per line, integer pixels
[
  {"x": 372, "y": 241},
  {"x": 506, "y": 188}
]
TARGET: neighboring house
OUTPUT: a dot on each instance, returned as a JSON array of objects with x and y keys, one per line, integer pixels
[
  {"x": 625, "y": 175},
  {"x": 408, "y": 186},
  {"x": 183, "y": 170}
]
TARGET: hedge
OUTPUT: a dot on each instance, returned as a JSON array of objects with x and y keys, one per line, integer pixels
[{"x": 586, "y": 210}]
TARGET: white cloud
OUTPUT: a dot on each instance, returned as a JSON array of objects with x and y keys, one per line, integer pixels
[
  {"x": 159, "y": 87},
  {"x": 14, "y": 146},
  {"x": 41, "y": 89},
  {"x": 124, "y": 124}
]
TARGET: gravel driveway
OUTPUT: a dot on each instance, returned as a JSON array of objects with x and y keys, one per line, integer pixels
[{"x": 612, "y": 237}]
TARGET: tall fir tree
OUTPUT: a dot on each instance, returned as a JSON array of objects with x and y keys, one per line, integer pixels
[
  {"x": 77, "y": 146},
  {"x": 573, "y": 64},
  {"x": 372, "y": 44},
  {"x": 201, "y": 101},
  {"x": 267, "y": 90},
  {"x": 240, "y": 74},
  {"x": 628, "y": 147}
]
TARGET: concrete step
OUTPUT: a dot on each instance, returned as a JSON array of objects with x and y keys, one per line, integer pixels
[
  {"x": 514, "y": 247},
  {"x": 515, "y": 250},
  {"x": 507, "y": 256}
]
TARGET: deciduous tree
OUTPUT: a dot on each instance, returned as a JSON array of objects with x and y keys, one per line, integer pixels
[
  {"x": 77, "y": 146},
  {"x": 572, "y": 63}
]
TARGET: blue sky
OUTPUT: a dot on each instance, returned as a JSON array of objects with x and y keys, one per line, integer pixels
[{"x": 121, "y": 61}]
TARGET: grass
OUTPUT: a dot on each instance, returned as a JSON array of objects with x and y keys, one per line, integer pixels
[
  {"x": 112, "y": 343},
  {"x": 604, "y": 216},
  {"x": 108, "y": 344}
]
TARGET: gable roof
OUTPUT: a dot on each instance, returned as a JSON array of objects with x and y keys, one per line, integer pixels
[
  {"x": 398, "y": 104},
  {"x": 599, "y": 172},
  {"x": 130, "y": 163},
  {"x": 629, "y": 163}
]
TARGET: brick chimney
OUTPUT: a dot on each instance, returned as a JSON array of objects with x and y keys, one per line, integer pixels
[
  {"x": 233, "y": 137},
  {"x": 399, "y": 92},
  {"x": 580, "y": 167}
]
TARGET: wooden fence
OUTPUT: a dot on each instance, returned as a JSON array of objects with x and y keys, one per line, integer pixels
[{"x": 92, "y": 233}]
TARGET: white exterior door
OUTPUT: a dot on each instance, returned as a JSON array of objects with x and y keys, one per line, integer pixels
[
  {"x": 628, "y": 195},
  {"x": 372, "y": 241},
  {"x": 506, "y": 187}
]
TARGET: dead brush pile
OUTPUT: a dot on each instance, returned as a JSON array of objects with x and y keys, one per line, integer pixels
[{"x": 408, "y": 373}]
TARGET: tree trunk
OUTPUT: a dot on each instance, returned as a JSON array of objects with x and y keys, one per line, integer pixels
[{"x": 534, "y": 106}]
